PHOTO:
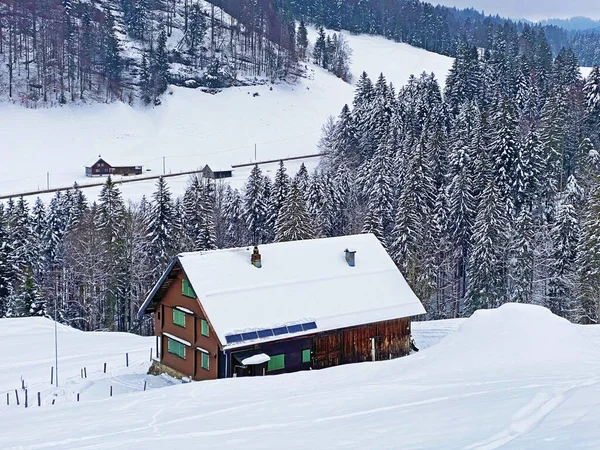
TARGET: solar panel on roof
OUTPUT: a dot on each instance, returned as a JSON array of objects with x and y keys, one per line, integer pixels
[
  {"x": 294, "y": 328},
  {"x": 249, "y": 336},
  {"x": 265, "y": 333},
  {"x": 233, "y": 338},
  {"x": 309, "y": 326},
  {"x": 279, "y": 331}
]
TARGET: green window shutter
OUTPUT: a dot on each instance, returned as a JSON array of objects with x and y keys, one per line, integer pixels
[
  {"x": 186, "y": 289},
  {"x": 176, "y": 348},
  {"x": 204, "y": 327},
  {"x": 205, "y": 360},
  {"x": 276, "y": 362},
  {"x": 306, "y": 355},
  {"x": 179, "y": 318}
]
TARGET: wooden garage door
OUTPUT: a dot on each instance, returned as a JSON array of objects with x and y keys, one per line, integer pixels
[{"x": 327, "y": 350}]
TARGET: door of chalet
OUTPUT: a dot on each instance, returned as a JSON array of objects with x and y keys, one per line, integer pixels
[{"x": 327, "y": 350}]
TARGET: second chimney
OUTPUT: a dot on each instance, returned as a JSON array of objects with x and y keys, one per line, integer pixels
[
  {"x": 255, "y": 258},
  {"x": 350, "y": 257}
]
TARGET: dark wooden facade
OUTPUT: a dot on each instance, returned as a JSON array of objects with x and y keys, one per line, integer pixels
[
  {"x": 101, "y": 167},
  {"x": 370, "y": 342}
]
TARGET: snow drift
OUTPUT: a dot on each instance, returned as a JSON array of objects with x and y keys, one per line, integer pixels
[{"x": 512, "y": 336}]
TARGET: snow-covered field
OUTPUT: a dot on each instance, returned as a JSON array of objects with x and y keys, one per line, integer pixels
[
  {"x": 192, "y": 128},
  {"x": 28, "y": 354},
  {"x": 516, "y": 377}
]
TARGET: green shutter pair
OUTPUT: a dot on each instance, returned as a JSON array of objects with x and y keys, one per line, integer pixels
[
  {"x": 179, "y": 318},
  {"x": 176, "y": 348},
  {"x": 186, "y": 289}
]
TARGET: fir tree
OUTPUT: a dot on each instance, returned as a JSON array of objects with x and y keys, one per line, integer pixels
[
  {"x": 160, "y": 228},
  {"x": 293, "y": 222},
  {"x": 487, "y": 287},
  {"x": 256, "y": 207}
]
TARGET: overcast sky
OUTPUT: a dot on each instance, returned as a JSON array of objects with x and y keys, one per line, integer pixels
[{"x": 531, "y": 9}]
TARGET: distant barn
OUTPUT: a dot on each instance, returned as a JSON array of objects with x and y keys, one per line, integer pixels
[
  {"x": 282, "y": 308},
  {"x": 207, "y": 172},
  {"x": 101, "y": 167}
]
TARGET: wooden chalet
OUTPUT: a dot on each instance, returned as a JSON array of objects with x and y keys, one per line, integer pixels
[
  {"x": 207, "y": 172},
  {"x": 101, "y": 167},
  {"x": 281, "y": 308}
]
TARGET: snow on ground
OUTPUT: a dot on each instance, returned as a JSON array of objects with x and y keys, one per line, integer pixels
[
  {"x": 516, "y": 377},
  {"x": 28, "y": 354},
  {"x": 192, "y": 128}
]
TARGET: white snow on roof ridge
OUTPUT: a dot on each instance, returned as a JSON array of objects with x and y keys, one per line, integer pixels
[{"x": 266, "y": 286}]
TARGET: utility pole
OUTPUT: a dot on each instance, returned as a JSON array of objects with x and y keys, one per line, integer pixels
[
  {"x": 255, "y": 153},
  {"x": 164, "y": 170},
  {"x": 56, "y": 342},
  {"x": 48, "y": 181}
]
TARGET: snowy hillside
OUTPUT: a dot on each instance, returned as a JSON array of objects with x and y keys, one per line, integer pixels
[
  {"x": 515, "y": 377},
  {"x": 29, "y": 356},
  {"x": 192, "y": 128}
]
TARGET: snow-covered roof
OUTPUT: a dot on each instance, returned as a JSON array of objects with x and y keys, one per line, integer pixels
[
  {"x": 300, "y": 282},
  {"x": 260, "y": 358}
]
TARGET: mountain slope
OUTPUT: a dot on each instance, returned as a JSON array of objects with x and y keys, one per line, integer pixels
[{"x": 192, "y": 128}]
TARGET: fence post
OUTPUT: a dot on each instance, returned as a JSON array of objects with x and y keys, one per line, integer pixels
[
  {"x": 104, "y": 367},
  {"x": 51, "y": 375},
  {"x": 77, "y": 396},
  {"x": 81, "y": 373},
  {"x": 53, "y": 400},
  {"x": 145, "y": 381},
  {"x": 39, "y": 399},
  {"x": 150, "y": 354},
  {"x": 85, "y": 372},
  {"x": 126, "y": 359},
  {"x": 25, "y": 398},
  {"x": 22, "y": 384},
  {"x": 17, "y": 396},
  {"x": 111, "y": 391},
  {"x": 8, "y": 398}
]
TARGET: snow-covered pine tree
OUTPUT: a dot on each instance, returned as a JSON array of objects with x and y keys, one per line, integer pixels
[
  {"x": 29, "y": 302},
  {"x": 302, "y": 179},
  {"x": 505, "y": 151},
  {"x": 207, "y": 238},
  {"x": 487, "y": 263},
  {"x": 280, "y": 192},
  {"x": 6, "y": 267},
  {"x": 256, "y": 207},
  {"x": 235, "y": 233},
  {"x": 293, "y": 222},
  {"x": 565, "y": 234},
  {"x": 160, "y": 228},
  {"x": 522, "y": 257}
]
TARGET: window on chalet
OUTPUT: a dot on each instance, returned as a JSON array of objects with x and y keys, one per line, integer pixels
[
  {"x": 204, "y": 327},
  {"x": 186, "y": 289},
  {"x": 205, "y": 361},
  {"x": 176, "y": 348},
  {"x": 276, "y": 362},
  {"x": 306, "y": 355},
  {"x": 179, "y": 318}
]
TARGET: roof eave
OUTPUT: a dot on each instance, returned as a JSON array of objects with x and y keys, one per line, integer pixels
[{"x": 156, "y": 287}]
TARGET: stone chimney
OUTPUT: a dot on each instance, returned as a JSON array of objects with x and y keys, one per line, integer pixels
[
  {"x": 350, "y": 257},
  {"x": 255, "y": 258}
]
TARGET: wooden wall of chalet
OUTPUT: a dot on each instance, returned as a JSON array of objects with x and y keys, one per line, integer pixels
[
  {"x": 163, "y": 320},
  {"x": 392, "y": 340}
]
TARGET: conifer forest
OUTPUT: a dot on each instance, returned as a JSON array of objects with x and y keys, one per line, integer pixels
[{"x": 484, "y": 192}]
